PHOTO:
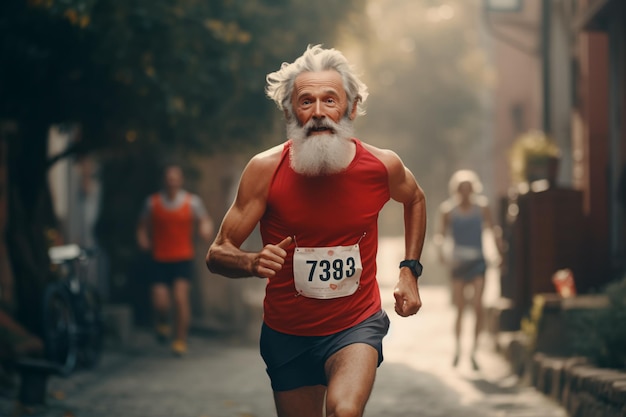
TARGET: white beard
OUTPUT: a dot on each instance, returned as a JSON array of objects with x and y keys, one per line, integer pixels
[{"x": 320, "y": 154}]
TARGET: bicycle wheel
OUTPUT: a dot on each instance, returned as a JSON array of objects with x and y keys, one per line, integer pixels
[
  {"x": 91, "y": 333},
  {"x": 59, "y": 332}
]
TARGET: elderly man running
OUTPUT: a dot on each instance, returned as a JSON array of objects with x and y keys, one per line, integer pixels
[{"x": 317, "y": 198}]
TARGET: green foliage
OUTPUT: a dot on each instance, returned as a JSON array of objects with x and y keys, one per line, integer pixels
[
  {"x": 186, "y": 74},
  {"x": 530, "y": 324},
  {"x": 601, "y": 334},
  {"x": 531, "y": 147},
  {"x": 42, "y": 78}
]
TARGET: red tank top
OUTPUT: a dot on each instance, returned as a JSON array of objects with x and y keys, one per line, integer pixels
[
  {"x": 321, "y": 211},
  {"x": 172, "y": 231}
]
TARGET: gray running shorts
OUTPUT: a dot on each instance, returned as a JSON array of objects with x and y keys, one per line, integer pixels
[{"x": 297, "y": 361}]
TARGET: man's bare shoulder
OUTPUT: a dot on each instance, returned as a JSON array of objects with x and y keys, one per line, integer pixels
[
  {"x": 386, "y": 156},
  {"x": 389, "y": 158},
  {"x": 258, "y": 173},
  {"x": 266, "y": 161}
]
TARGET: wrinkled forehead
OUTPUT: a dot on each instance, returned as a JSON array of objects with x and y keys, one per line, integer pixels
[{"x": 315, "y": 81}]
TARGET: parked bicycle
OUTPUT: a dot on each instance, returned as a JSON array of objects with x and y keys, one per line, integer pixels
[{"x": 72, "y": 312}]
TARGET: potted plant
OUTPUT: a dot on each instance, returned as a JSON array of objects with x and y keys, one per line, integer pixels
[{"x": 534, "y": 156}]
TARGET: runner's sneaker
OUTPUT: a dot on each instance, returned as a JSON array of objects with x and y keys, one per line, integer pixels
[{"x": 179, "y": 347}]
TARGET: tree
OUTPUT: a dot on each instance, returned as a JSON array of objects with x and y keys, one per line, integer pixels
[
  {"x": 39, "y": 86},
  {"x": 139, "y": 78}
]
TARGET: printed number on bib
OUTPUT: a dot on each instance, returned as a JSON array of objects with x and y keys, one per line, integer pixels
[{"x": 327, "y": 272}]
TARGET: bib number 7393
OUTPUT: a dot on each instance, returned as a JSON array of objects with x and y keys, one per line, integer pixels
[
  {"x": 328, "y": 272},
  {"x": 324, "y": 270}
]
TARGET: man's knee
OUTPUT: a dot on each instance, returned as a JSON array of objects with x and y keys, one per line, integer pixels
[
  {"x": 345, "y": 409},
  {"x": 160, "y": 296},
  {"x": 181, "y": 290}
]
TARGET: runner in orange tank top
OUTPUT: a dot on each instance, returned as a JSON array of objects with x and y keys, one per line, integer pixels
[{"x": 166, "y": 229}]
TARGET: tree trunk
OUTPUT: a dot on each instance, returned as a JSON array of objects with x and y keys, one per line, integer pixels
[
  {"x": 30, "y": 215},
  {"x": 7, "y": 300}
]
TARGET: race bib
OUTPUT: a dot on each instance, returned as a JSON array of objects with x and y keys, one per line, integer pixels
[{"x": 327, "y": 272}]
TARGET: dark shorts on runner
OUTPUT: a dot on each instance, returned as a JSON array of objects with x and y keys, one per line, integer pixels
[
  {"x": 167, "y": 272},
  {"x": 297, "y": 361},
  {"x": 469, "y": 270}
]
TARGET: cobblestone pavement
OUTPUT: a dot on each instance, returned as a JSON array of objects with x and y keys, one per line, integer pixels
[{"x": 223, "y": 377}]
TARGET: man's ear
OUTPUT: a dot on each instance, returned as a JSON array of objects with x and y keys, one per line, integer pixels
[
  {"x": 353, "y": 111},
  {"x": 287, "y": 115}
]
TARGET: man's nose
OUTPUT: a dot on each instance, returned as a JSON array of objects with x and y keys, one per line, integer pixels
[{"x": 317, "y": 110}]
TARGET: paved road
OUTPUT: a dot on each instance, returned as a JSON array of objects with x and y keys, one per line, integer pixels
[{"x": 224, "y": 377}]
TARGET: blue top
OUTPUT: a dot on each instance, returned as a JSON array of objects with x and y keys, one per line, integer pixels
[{"x": 467, "y": 229}]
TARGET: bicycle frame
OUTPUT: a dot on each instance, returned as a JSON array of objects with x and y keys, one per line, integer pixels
[{"x": 73, "y": 325}]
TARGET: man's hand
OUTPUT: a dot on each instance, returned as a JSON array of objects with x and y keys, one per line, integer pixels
[
  {"x": 205, "y": 228},
  {"x": 143, "y": 240},
  {"x": 407, "y": 295},
  {"x": 271, "y": 259}
]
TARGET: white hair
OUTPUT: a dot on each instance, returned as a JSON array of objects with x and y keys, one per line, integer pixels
[
  {"x": 280, "y": 83},
  {"x": 461, "y": 176}
]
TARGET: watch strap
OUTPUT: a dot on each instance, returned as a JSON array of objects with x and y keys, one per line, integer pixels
[{"x": 414, "y": 265}]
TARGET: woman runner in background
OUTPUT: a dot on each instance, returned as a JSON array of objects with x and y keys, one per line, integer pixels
[{"x": 463, "y": 217}]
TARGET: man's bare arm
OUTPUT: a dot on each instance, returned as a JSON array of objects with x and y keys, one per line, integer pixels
[
  {"x": 143, "y": 235},
  {"x": 225, "y": 256},
  {"x": 405, "y": 189},
  {"x": 410, "y": 194},
  {"x": 205, "y": 227}
]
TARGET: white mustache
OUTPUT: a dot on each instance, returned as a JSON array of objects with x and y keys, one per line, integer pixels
[{"x": 319, "y": 124}]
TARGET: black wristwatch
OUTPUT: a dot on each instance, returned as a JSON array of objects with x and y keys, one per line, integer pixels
[{"x": 414, "y": 265}]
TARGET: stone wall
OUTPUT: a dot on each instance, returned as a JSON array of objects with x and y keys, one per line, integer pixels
[
  {"x": 545, "y": 359},
  {"x": 581, "y": 388}
]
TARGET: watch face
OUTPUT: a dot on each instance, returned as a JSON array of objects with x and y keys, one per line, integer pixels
[{"x": 414, "y": 265}]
